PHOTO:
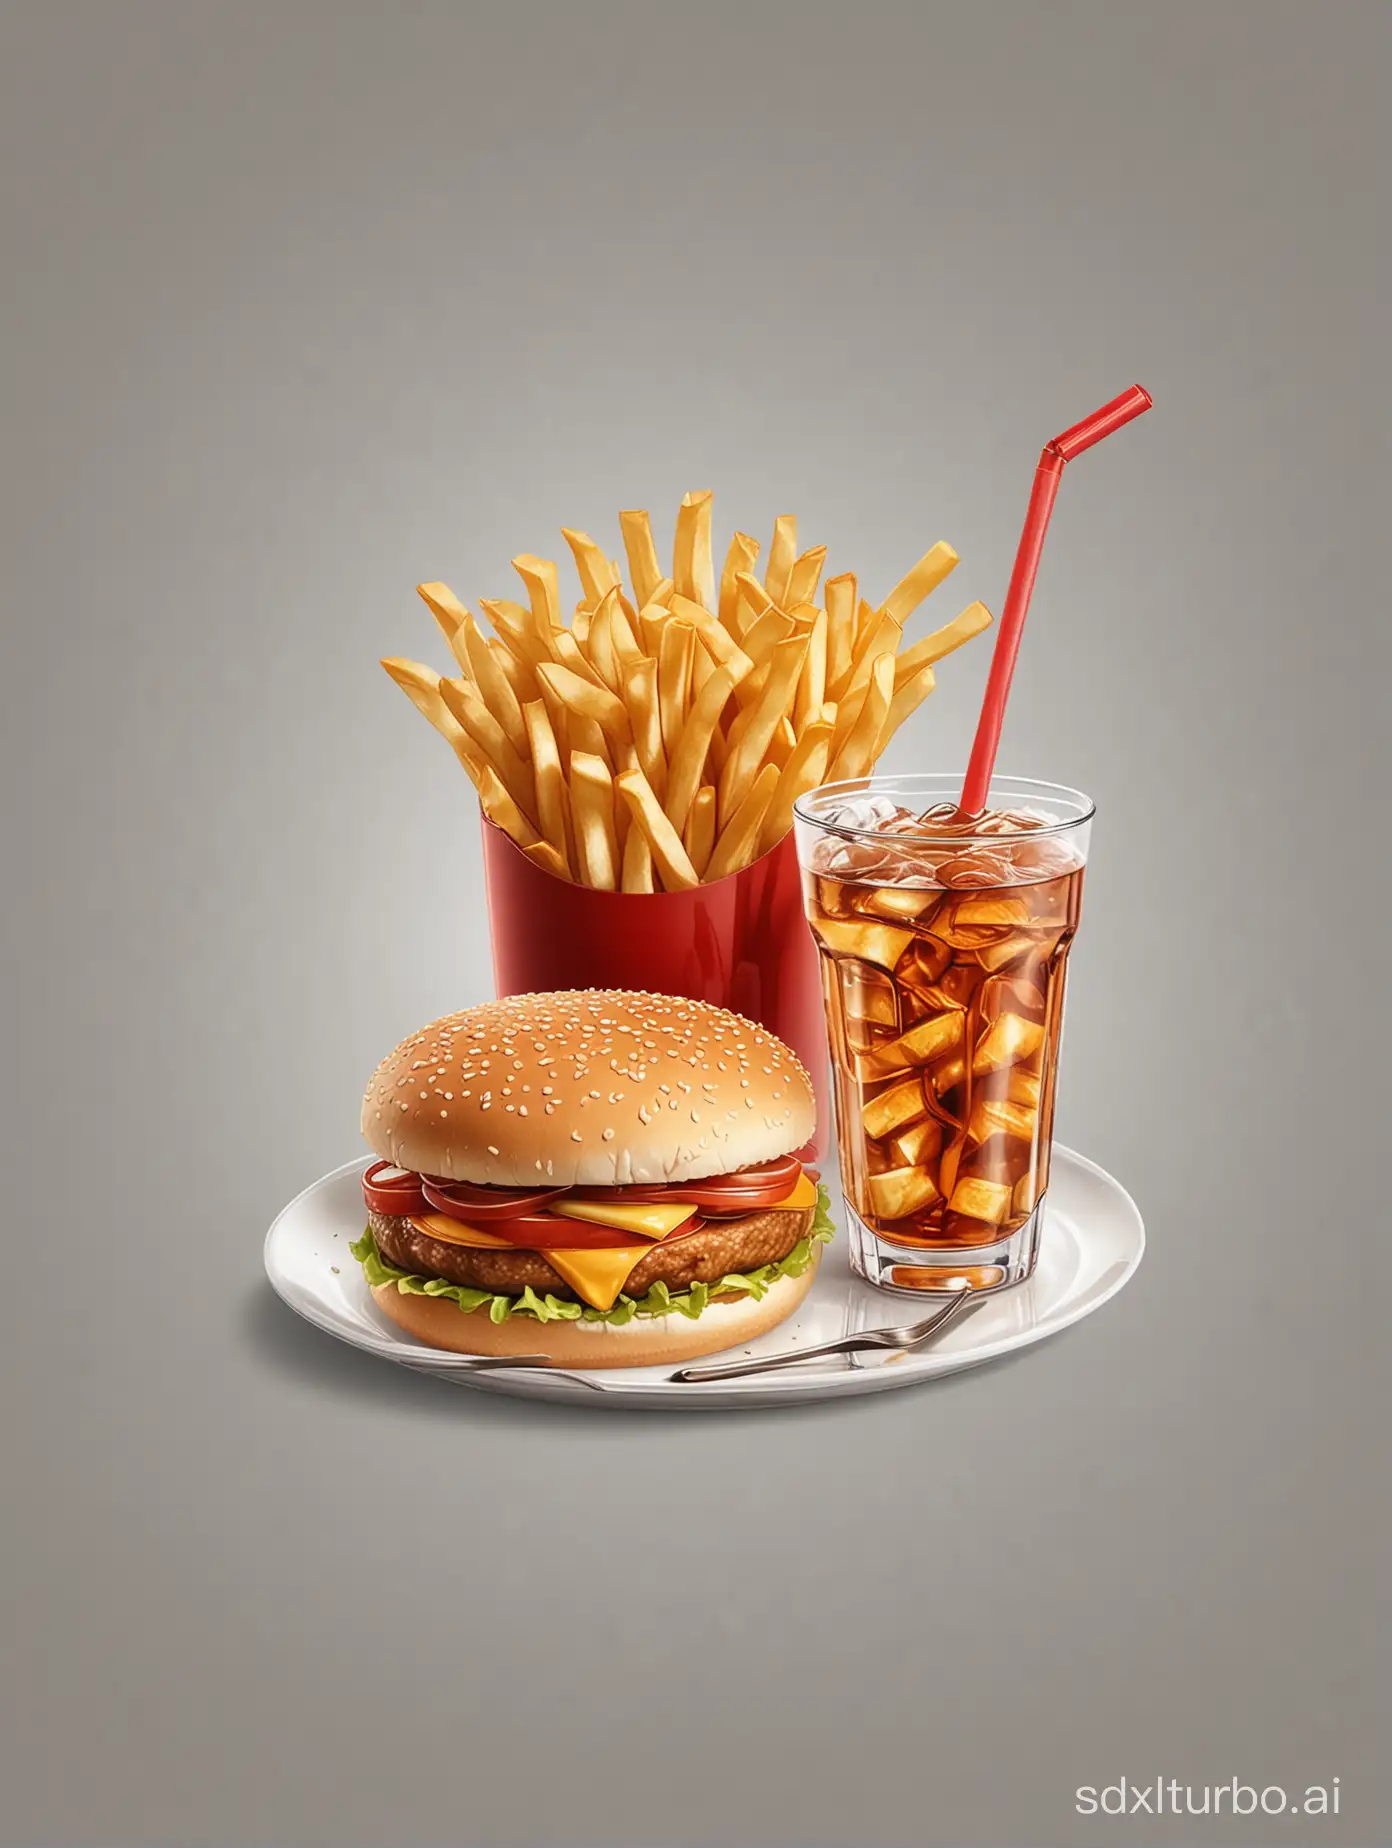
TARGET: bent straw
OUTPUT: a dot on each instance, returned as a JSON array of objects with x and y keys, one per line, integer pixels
[{"x": 1046, "y": 485}]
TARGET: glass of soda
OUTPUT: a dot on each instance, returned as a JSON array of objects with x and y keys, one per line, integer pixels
[{"x": 944, "y": 944}]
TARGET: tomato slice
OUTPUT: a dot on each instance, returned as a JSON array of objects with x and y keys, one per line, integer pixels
[
  {"x": 392, "y": 1190},
  {"x": 486, "y": 1206},
  {"x": 747, "y": 1191}
]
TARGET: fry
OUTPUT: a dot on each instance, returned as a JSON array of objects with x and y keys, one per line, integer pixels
[
  {"x": 495, "y": 689},
  {"x": 588, "y": 736},
  {"x": 858, "y": 752},
  {"x": 974, "y": 618},
  {"x": 421, "y": 685},
  {"x": 739, "y": 839},
  {"x": 515, "y": 626},
  {"x": 760, "y": 640},
  {"x": 596, "y": 573},
  {"x": 651, "y": 619},
  {"x": 715, "y": 639},
  {"x": 669, "y": 856},
  {"x": 552, "y": 797},
  {"x": 751, "y": 601},
  {"x": 848, "y": 710},
  {"x": 640, "y": 696},
  {"x": 592, "y": 818},
  {"x": 840, "y": 609},
  {"x": 915, "y": 585},
  {"x": 591, "y": 702},
  {"x": 543, "y": 854},
  {"x": 543, "y": 584},
  {"x": 907, "y": 698},
  {"x": 519, "y": 674},
  {"x": 811, "y": 689},
  {"x": 743, "y": 555},
  {"x": 570, "y": 655},
  {"x": 693, "y": 574},
  {"x": 783, "y": 742},
  {"x": 805, "y": 576},
  {"x": 625, "y": 642},
  {"x": 637, "y": 859},
  {"x": 471, "y": 712},
  {"x": 699, "y": 837},
  {"x": 601, "y": 641},
  {"x": 447, "y": 610},
  {"x": 782, "y": 553},
  {"x": 882, "y": 634},
  {"x": 674, "y": 678},
  {"x": 502, "y": 811},
  {"x": 743, "y": 762},
  {"x": 643, "y": 569},
  {"x": 804, "y": 770},
  {"x": 686, "y": 763}
]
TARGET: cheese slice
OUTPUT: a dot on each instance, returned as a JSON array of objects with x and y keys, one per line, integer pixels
[
  {"x": 598, "y": 1276},
  {"x": 653, "y": 1221},
  {"x": 455, "y": 1232},
  {"x": 804, "y": 1194}
]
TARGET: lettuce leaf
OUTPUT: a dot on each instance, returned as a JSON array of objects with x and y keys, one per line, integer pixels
[{"x": 658, "y": 1301}]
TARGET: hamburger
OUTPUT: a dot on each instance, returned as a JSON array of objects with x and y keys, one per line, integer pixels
[{"x": 613, "y": 1179}]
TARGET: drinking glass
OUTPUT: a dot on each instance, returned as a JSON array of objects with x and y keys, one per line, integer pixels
[{"x": 944, "y": 946}]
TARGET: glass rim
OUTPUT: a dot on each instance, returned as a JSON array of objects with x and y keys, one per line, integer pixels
[{"x": 874, "y": 785}]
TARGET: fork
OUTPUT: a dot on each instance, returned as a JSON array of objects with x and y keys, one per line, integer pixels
[
  {"x": 442, "y": 1362},
  {"x": 904, "y": 1340}
]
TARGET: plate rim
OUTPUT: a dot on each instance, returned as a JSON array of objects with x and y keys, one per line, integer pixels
[{"x": 796, "y": 1387}]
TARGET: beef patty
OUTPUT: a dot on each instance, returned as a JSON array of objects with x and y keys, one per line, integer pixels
[{"x": 706, "y": 1256}]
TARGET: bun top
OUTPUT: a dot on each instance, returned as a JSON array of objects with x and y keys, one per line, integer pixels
[{"x": 593, "y": 1087}]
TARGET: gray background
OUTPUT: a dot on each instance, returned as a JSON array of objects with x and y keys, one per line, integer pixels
[{"x": 304, "y": 303}]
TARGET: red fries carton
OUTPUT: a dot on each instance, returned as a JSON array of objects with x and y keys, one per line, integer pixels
[{"x": 741, "y": 943}]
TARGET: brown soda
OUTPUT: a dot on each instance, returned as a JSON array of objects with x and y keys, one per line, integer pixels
[{"x": 944, "y": 969}]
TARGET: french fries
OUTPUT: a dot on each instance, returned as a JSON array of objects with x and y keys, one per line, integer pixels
[{"x": 661, "y": 737}]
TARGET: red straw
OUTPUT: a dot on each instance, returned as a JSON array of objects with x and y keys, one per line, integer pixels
[{"x": 1046, "y": 485}]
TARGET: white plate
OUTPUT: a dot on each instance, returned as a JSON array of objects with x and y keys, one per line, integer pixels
[{"x": 1092, "y": 1242}]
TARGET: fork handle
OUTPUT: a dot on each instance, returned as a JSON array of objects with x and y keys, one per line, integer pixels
[{"x": 847, "y": 1344}]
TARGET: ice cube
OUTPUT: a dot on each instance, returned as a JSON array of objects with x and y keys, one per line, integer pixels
[
  {"x": 861, "y": 811},
  {"x": 1010, "y": 994},
  {"x": 947, "y": 1075},
  {"x": 1006, "y": 950},
  {"x": 901, "y": 1191},
  {"x": 1023, "y": 1088},
  {"x": 929, "y": 1040},
  {"x": 1009, "y": 1040},
  {"x": 924, "y": 963},
  {"x": 880, "y": 944},
  {"x": 975, "y": 869},
  {"x": 870, "y": 1004},
  {"x": 949, "y": 927},
  {"x": 891, "y": 1109},
  {"x": 988, "y": 1201},
  {"x": 1000, "y": 909},
  {"x": 917, "y": 1144},
  {"x": 997, "y": 1116},
  {"x": 831, "y": 896},
  {"x": 1022, "y": 1200},
  {"x": 1047, "y": 903},
  {"x": 901, "y": 904}
]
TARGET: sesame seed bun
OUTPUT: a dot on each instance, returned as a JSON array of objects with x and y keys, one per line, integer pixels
[
  {"x": 588, "y": 1088},
  {"x": 646, "y": 1341}
]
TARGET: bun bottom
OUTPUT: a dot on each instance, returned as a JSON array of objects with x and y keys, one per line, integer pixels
[{"x": 646, "y": 1341}]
